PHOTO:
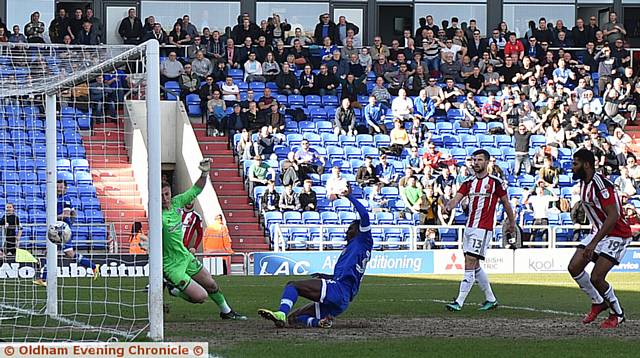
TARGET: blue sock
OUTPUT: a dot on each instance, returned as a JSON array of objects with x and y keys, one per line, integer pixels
[
  {"x": 83, "y": 261},
  {"x": 289, "y": 298},
  {"x": 307, "y": 321}
]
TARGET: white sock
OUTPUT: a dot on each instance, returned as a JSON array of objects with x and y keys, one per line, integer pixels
[
  {"x": 465, "y": 286},
  {"x": 584, "y": 281},
  {"x": 613, "y": 301},
  {"x": 485, "y": 286}
]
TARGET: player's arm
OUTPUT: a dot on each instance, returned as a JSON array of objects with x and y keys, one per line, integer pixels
[
  {"x": 188, "y": 196},
  {"x": 509, "y": 211},
  {"x": 451, "y": 204},
  {"x": 365, "y": 224}
]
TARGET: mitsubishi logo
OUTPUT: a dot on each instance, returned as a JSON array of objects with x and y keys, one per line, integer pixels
[{"x": 453, "y": 263}]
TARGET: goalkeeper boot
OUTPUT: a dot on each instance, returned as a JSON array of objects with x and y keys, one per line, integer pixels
[
  {"x": 40, "y": 282},
  {"x": 596, "y": 309},
  {"x": 277, "y": 317},
  {"x": 96, "y": 272},
  {"x": 454, "y": 307},
  {"x": 613, "y": 321},
  {"x": 488, "y": 305},
  {"x": 233, "y": 315}
]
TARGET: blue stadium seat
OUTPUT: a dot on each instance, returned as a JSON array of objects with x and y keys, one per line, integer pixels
[
  {"x": 311, "y": 218},
  {"x": 346, "y": 217},
  {"x": 342, "y": 205}
]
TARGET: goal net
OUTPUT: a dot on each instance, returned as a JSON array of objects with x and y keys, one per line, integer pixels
[{"x": 65, "y": 139}]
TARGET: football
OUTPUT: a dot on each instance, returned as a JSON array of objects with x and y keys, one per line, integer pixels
[{"x": 59, "y": 233}]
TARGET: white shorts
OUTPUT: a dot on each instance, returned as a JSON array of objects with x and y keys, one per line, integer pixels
[
  {"x": 611, "y": 247},
  {"x": 476, "y": 241}
]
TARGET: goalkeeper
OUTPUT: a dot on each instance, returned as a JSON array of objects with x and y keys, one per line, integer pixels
[{"x": 190, "y": 280}]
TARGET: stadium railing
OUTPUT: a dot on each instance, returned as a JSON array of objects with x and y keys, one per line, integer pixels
[{"x": 321, "y": 238}]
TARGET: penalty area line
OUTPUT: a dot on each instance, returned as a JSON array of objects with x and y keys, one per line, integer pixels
[{"x": 518, "y": 308}]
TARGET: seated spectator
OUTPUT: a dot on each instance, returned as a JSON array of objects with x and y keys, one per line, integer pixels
[
  {"x": 262, "y": 49},
  {"x": 609, "y": 164},
  {"x": 548, "y": 173},
  {"x": 309, "y": 160},
  {"x": 381, "y": 93},
  {"x": 475, "y": 82},
  {"x": 16, "y": 36},
  {"x": 402, "y": 106},
  {"x": 491, "y": 80},
  {"x": 266, "y": 142},
  {"x": 275, "y": 121},
  {"x": 336, "y": 184},
  {"x": 413, "y": 160},
  {"x": 382, "y": 66},
  {"x": 195, "y": 47},
  {"x": 419, "y": 134},
  {"x": 253, "y": 69},
  {"x": 270, "y": 68},
  {"x": 244, "y": 51},
  {"x": 386, "y": 172},
  {"x": 562, "y": 74},
  {"x": 301, "y": 37},
  {"x": 554, "y": 134},
  {"x": 307, "y": 198},
  {"x": 351, "y": 89},
  {"x": 444, "y": 179},
  {"x": 216, "y": 47},
  {"x": 470, "y": 111},
  {"x": 400, "y": 79},
  {"x": 344, "y": 121},
  {"x": 170, "y": 69},
  {"x": 220, "y": 72},
  {"x": 270, "y": 200},
  {"x": 620, "y": 142},
  {"x": 495, "y": 170},
  {"x": 450, "y": 68},
  {"x": 308, "y": 82},
  {"x": 103, "y": 100},
  {"x": 286, "y": 81},
  {"x": 201, "y": 65},
  {"x": 424, "y": 107},
  {"x": 236, "y": 120},
  {"x": 374, "y": 115},
  {"x": 230, "y": 92},
  {"x": 444, "y": 217},
  {"x": 432, "y": 157},
  {"x": 216, "y": 115},
  {"x": 624, "y": 183},
  {"x": 258, "y": 172},
  {"x": 491, "y": 109},
  {"x": 540, "y": 206},
  {"x": 399, "y": 139},
  {"x": 451, "y": 94},
  {"x": 366, "y": 175},
  {"x": 420, "y": 80},
  {"x": 289, "y": 200},
  {"x": 189, "y": 83},
  {"x": 412, "y": 197},
  {"x": 300, "y": 55},
  {"x": 365, "y": 59},
  {"x": 206, "y": 91},
  {"x": 245, "y": 149},
  {"x": 327, "y": 81},
  {"x": 377, "y": 202},
  {"x": 327, "y": 49}
]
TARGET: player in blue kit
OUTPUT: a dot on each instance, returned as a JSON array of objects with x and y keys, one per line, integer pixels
[
  {"x": 331, "y": 294},
  {"x": 66, "y": 212}
]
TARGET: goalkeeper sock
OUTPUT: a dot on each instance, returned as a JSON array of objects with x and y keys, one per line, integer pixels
[
  {"x": 584, "y": 281},
  {"x": 289, "y": 298},
  {"x": 83, "y": 261},
  {"x": 465, "y": 286},
  {"x": 307, "y": 321},
  {"x": 613, "y": 301},
  {"x": 218, "y": 298},
  {"x": 485, "y": 286}
]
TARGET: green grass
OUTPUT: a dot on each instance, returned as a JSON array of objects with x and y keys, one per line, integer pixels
[{"x": 368, "y": 328}]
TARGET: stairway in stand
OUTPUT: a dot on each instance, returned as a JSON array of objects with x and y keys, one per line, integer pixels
[
  {"x": 246, "y": 233},
  {"x": 117, "y": 190}
]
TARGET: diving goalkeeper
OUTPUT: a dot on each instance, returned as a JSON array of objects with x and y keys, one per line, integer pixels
[{"x": 190, "y": 280}]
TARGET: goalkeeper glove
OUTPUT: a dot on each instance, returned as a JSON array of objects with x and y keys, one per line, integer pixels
[
  {"x": 52, "y": 234},
  {"x": 205, "y": 165}
]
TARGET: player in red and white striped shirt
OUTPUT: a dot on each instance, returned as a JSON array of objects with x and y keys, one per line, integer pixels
[
  {"x": 191, "y": 228},
  {"x": 484, "y": 192},
  {"x": 605, "y": 245}
]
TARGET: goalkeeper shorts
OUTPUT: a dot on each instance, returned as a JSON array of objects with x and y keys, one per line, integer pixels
[{"x": 179, "y": 273}]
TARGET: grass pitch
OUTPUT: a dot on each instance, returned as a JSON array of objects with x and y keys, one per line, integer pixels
[{"x": 405, "y": 317}]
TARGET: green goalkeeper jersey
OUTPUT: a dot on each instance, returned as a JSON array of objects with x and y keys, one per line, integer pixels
[{"x": 172, "y": 247}]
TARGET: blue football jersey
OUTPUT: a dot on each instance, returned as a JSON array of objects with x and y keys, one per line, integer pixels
[
  {"x": 64, "y": 201},
  {"x": 353, "y": 260}
]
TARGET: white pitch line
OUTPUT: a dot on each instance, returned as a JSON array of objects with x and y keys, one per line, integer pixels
[
  {"x": 70, "y": 322},
  {"x": 517, "y": 308}
]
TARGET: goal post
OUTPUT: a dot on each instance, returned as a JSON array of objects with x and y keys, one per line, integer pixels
[{"x": 53, "y": 109}]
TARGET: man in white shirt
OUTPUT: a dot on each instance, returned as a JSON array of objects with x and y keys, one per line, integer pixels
[
  {"x": 336, "y": 184},
  {"x": 540, "y": 206},
  {"x": 253, "y": 69},
  {"x": 230, "y": 92},
  {"x": 450, "y": 47},
  {"x": 402, "y": 106}
]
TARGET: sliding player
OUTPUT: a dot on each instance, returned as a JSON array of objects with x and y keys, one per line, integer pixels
[
  {"x": 484, "y": 191},
  {"x": 331, "y": 294},
  {"x": 605, "y": 245},
  {"x": 188, "y": 278},
  {"x": 66, "y": 212}
]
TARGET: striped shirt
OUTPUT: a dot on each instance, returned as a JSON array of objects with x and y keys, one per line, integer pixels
[
  {"x": 598, "y": 194},
  {"x": 483, "y": 194}
]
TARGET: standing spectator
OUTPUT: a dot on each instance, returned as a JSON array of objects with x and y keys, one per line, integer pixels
[
  {"x": 196, "y": 46},
  {"x": 307, "y": 198},
  {"x": 96, "y": 24},
  {"x": 34, "y": 30},
  {"x": 191, "y": 228},
  {"x": 412, "y": 197},
  {"x": 74, "y": 26},
  {"x": 342, "y": 29},
  {"x": 270, "y": 200},
  {"x": 216, "y": 46},
  {"x": 87, "y": 36},
  {"x": 58, "y": 27},
  {"x": 624, "y": 183},
  {"x": 158, "y": 34},
  {"x": 266, "y": 142},
  {"x": 276, "y": 30},
  {"x": 379, "y": 48},
  {"x": 3, "y": 35},
  {"x": 615, "y": 98},
  {"x": 549, "y": 174},
  {"x": 324, "y": 28},
  {"x": 170, "y": 69},
  {"x": 335, "y": 184},
  {"x": 289, "y": 200},
  {"x": 16, "y": 36},
  {"x": 190, "y": 28},
  {"x": 614, "y": 30},
  {"x": 178, "y": 36},
  {"x": 10, "y": 224},
  {"x": 620, "y": 142},
  {"x": 540, "y": 206},
  {"x": 131, "y": 28}
]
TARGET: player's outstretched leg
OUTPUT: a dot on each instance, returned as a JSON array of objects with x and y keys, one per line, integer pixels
[
  {"x": 203, "y": 277},
  {"x": 576, "y": 269},
  {"x": 598, "y": 279},
  {"x": 309, "y": 289},
  {"x": 483, "y": 281},
  {"x": 471, "y": 263}
]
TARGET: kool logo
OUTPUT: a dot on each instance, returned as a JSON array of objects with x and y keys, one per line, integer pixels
[
  {"x": 279, "y": 265},
  {"x": 542, "y": 265}
]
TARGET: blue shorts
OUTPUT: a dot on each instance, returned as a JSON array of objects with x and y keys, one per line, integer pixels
[
  {"x": 334, "y": 299},
  {"x": 68, "y": 246}
]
